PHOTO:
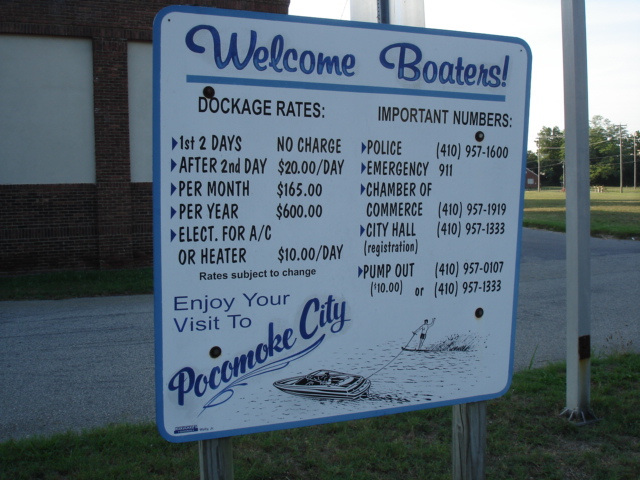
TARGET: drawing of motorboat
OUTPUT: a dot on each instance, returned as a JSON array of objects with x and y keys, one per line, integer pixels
[{"x": 326, "y": 384}]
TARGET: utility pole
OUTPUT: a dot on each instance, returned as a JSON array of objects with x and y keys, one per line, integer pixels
[
  {"x": 621, "y": 187},
  {"x": 635, "y": 162},
  {"x": 538, "y": 156}
]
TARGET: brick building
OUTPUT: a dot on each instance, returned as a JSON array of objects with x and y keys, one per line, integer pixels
[
  {"x": 531, "y": 180},
  {"x": 75, "y": 131}
]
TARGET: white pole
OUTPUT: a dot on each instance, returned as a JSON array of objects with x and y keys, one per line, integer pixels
[
  {"x": 364, "y": 10},
  {"x": 578, "y": 212},
  {"x": 406, "y": 12}
]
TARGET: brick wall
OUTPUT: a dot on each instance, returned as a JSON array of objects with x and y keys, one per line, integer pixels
[
  {"x": 48, "y": 227},
  {"x": 142, "y": 212},
  {"x": 109, "y": 224}
]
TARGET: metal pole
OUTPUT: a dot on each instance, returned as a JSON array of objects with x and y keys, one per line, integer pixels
[
  {"x": 397, "y": 12},
  {"x": 383, "y": 11},
  {"x": 578, "y": 212}
]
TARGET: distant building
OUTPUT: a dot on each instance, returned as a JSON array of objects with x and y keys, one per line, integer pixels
[
  {"x": 531, "y": 180},
  {"x": 75, "y": 131}
]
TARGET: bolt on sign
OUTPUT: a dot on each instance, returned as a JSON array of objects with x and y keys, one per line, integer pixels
[{"x": 337, "y": 213}]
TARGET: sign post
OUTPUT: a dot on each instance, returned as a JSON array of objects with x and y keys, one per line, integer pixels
[
  {"x": 216, "y": 459},
  {"x": 337, "y": 213}
]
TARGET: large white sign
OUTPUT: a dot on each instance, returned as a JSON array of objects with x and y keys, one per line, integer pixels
[{"x": 337, "y": 218}]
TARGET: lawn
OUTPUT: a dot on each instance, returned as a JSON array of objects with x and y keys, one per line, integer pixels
[
  {"x": 75, "y": 284},
  {"x": 525, "y": 439},
  {"x": 613, "y": 213}
]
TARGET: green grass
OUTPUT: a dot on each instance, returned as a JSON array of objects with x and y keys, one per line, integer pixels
[
  {"x": 526, "y": 439},
  {"x": 612, "y": 213},
  {"x": 88, "y": 283}
]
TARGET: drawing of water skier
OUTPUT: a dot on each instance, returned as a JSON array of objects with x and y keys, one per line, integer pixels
[{"x": 421, "y": 331}]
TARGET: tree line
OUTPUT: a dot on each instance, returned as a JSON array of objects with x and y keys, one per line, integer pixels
[{"x": 608, "y": 144}]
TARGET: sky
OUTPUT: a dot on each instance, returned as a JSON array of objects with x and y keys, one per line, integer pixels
[{"x": 613, "y": 46}]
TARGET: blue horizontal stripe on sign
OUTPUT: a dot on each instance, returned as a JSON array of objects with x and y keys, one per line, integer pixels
[{"x": 333, "y": 87}]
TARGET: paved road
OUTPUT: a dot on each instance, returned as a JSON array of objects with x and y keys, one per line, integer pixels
[
  {"x": 615, "y": 289},
  {"x": 81, "y": 363}
]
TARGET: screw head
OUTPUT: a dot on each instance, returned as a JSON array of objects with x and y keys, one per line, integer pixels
[{"x": 209, "y": 92}]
